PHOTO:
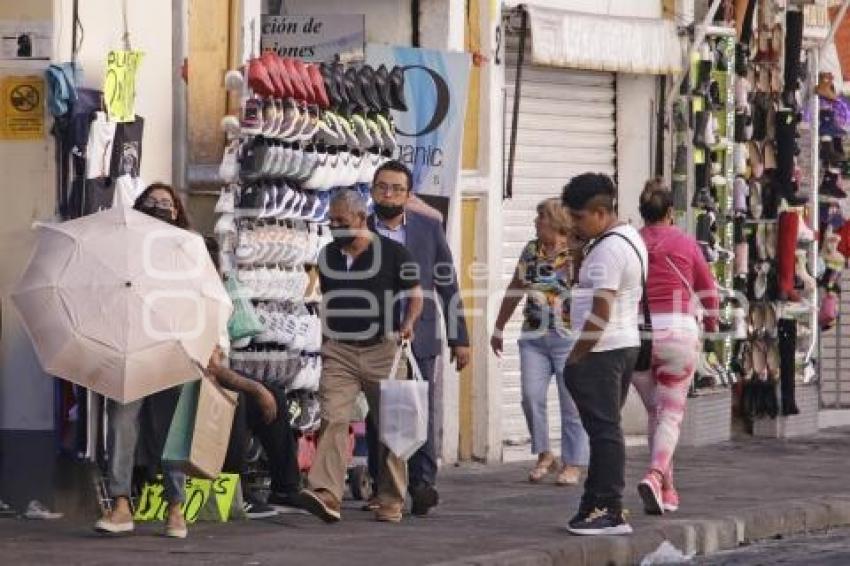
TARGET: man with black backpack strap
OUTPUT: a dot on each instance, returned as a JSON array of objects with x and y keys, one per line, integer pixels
[{"x": 599, "y": 369}]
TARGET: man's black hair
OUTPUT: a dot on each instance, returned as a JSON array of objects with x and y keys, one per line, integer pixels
[
  {"x": 589, "y": 189},
  {"x": 396, "y": 167}
]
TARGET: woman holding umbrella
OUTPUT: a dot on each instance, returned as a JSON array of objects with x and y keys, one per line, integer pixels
[{"x": 155, "y": 411}]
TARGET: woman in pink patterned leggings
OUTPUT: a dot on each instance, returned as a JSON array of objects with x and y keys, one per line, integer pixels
[{"x": 679, "y": 279}]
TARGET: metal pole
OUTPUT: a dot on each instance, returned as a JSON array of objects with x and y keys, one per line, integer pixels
[
  {"x": 509, "y": 184},
  {"x": 701, "y": 32}
]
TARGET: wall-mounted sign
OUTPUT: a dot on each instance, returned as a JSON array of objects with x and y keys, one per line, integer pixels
[
  {"x": 315, "y": 38},
  {"x": 430, "y": 132},
  {"x": 22, "y": 108},
  {"x": 25, "y": 39},
  {"x": 119, "y": 86}
]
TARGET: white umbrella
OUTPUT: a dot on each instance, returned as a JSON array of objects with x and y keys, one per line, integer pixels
[{"x": 122, "y": 303}]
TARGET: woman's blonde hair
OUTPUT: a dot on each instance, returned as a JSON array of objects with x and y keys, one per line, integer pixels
[{"x": 552, "y": 210}]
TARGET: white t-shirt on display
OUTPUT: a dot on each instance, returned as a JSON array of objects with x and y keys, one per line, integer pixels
[{"x": 612, "y": 265}]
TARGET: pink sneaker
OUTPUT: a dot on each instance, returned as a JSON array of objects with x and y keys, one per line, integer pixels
[
  {"x": 649, "y": 490},
  {"x": 670, "y": 499}
]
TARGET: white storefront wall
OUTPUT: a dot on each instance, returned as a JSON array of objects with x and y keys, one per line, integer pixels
[
  {"x": 633, "y": 121},
  {"x": 28, "y": 175}
]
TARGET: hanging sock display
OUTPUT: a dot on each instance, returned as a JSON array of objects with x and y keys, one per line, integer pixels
[
  {"x": 786, "y": 258},
  {"x": 787, "y": 338}
]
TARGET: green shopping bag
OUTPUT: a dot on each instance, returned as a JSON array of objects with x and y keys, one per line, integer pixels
[{"x": 200, "y": 429}]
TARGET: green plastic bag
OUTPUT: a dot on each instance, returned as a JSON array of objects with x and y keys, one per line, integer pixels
[{"x": 244, "y": 322}]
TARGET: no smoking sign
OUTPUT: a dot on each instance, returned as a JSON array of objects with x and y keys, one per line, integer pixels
[{"x": 22, "y": 110}]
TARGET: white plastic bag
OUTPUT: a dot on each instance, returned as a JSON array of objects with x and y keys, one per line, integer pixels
[{"x": 403, "y": 409}]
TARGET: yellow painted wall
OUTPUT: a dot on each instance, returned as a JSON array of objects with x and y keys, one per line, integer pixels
[{"x": 472, "y": 41}]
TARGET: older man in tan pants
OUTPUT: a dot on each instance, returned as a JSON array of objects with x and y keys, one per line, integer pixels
[{"x": 365, "y": 280}]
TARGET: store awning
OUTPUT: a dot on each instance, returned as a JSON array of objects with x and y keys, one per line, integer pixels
[{"x": 604, "y": 43}]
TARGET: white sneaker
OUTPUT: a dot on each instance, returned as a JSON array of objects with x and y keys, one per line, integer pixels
[
  {"x": 226, "y": 224},
  {"x": 226, "y": 202},
  {"x": 314, "y": 340},
  {"x": 302, "y": 333},
  {"x": 37, "y": 511}
]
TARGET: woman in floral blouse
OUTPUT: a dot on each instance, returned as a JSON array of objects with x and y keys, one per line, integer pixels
[{"x": 544, "y": 276}]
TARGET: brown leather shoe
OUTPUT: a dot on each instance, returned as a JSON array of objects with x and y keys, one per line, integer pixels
[
  {"x": 321, "y": 503},
  {"x": 389, "y": 512}
]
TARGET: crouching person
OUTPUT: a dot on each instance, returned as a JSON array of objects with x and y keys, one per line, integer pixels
[{"x": 362, "y": 276}]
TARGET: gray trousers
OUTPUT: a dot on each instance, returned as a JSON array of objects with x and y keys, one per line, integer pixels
[{"x": 122, "y": 436}]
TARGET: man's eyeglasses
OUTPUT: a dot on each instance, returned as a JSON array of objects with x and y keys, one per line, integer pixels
[
  {"x": 387, "y": 188},
  {"x": 164, "y": 204}
]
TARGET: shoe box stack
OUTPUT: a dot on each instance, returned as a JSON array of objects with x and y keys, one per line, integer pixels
[
  {"x": 707, "y": 105},
  {"x": 305, "y": 131},
  {"x": 833, "y": 118}
]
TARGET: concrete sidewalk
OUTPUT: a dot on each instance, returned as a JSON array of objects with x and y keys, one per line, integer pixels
[{"x": 740, "y": 491}]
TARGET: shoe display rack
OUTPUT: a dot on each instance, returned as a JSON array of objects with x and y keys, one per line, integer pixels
[
  {"x": 305, "y": 131},
  {"x": 703, "y": 120},
  {"x": 831, "y": 115},
  {"x": 738, "y": 182}
]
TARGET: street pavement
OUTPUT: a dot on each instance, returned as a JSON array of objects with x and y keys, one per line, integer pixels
[
  {"x": 818, "y": 549},
  {"x": 485, "y": 510}
]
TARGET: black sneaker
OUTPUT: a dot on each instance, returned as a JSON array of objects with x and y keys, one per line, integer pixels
[
  {"x": 284, "y": 499},
  {"x": 423, "y": 498},
  {"x": 256, "y": 509},
  {"x": 6, "y": 510},
  {"x": 599, "y": 522}
]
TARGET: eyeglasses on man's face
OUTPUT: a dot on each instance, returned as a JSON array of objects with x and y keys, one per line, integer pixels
[{"x": 387, "y": 188}]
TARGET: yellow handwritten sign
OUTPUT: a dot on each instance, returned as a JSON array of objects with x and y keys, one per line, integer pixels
[
  {"x": 119, "y": 87},
  {"x": 205, "y": 499},
  {"x": 22, "y": 108}
]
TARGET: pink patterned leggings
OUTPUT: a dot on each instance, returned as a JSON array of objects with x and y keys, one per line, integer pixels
[{"x": 664, "y": 391}]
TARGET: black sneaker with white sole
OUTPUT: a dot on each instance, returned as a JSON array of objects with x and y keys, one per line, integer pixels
[
  {"x": 284, "y": 499},
  {"x": 256, "y": 509},
  {"x": 599, "y": 522}
]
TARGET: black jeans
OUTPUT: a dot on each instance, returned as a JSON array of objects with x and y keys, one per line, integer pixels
[
  {"x": 599, "y": 385},
  {"x": 277, "y": 439},
  {"x": 422, "y": 466}
]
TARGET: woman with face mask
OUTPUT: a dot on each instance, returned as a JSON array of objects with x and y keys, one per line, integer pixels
[
  {"x": 151, "y": 414},
  {"x": 160, "y": 201}
]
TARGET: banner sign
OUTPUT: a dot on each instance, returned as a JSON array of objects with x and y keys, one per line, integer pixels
[
  {"x": 22, "y": 108},
  {"x": 119, "y": 87},
  {"x": 315, "y": 38},
  {"x": 430, "y": 132},
  {"x": 205, "y": 499}
]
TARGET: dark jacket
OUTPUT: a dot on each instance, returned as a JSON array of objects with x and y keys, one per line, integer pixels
[{"x": 427, "y": 243}]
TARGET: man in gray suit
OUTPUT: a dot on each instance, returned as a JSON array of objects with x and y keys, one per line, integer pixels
[{"x": 424, "y": 238}]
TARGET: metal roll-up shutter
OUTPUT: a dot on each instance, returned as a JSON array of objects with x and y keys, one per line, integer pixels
[{"x": 566, "y": 127}]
